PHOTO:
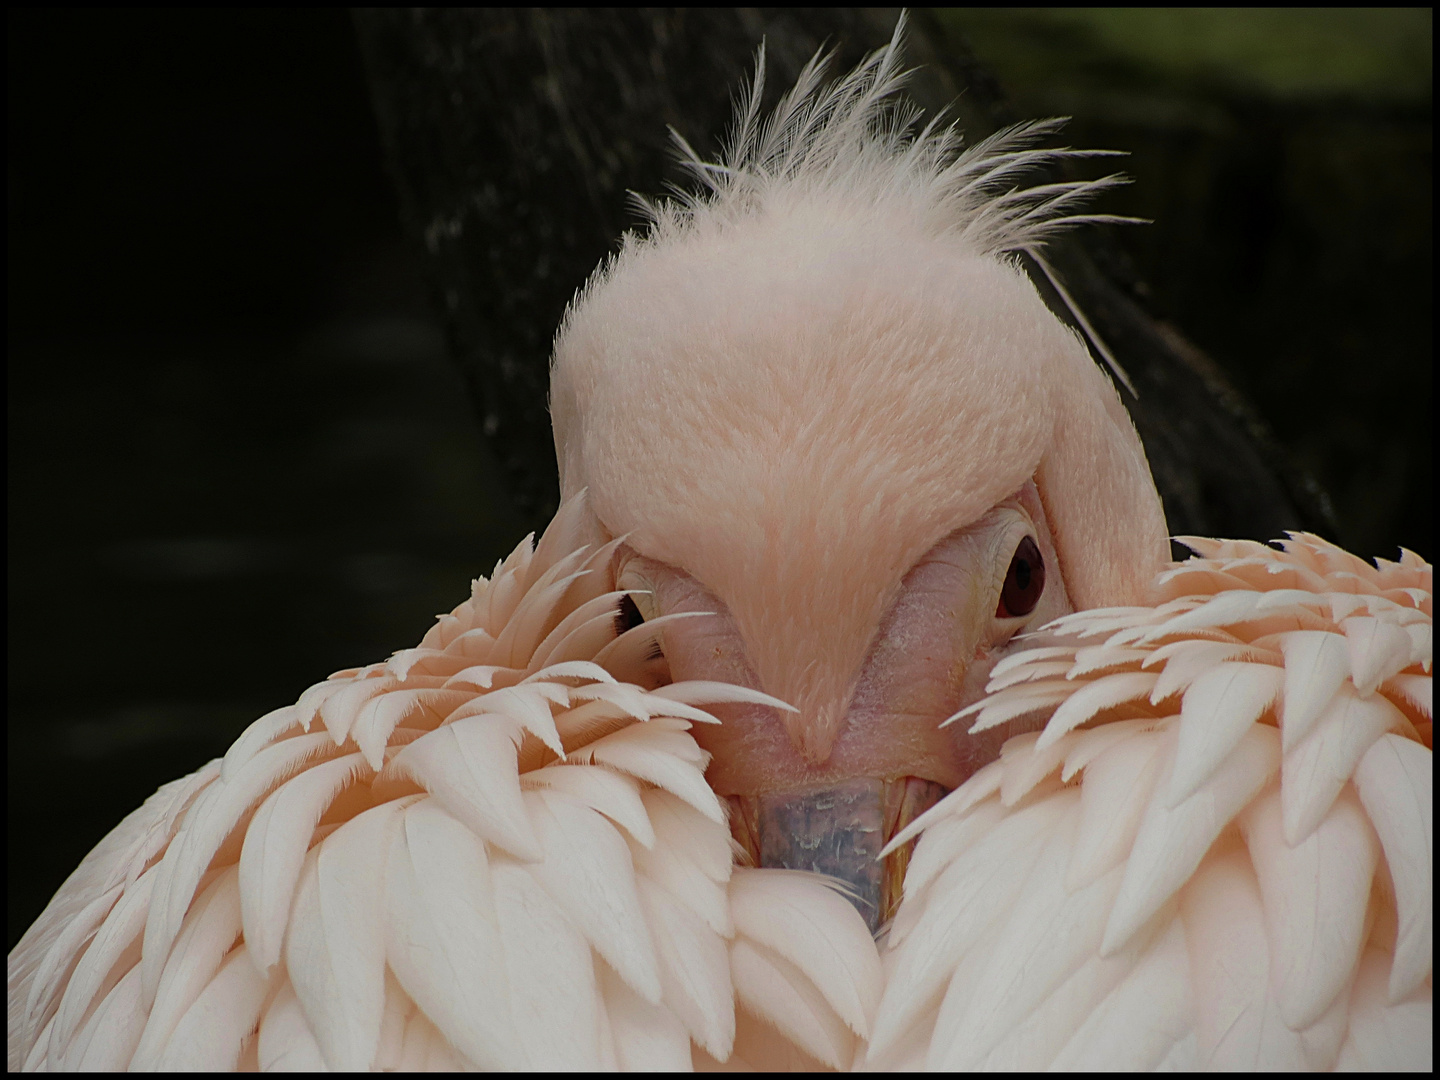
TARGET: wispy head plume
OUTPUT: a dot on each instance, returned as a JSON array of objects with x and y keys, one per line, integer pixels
[{"x": 857, "y": 140}]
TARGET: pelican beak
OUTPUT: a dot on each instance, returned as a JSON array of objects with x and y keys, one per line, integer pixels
[{"x": 839, "y": 831}]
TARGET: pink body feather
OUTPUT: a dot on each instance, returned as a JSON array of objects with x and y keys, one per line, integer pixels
[{"x": 798, "y": 423}]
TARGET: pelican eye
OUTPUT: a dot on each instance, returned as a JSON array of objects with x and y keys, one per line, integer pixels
[
  {"x": 627, "y": 615},
  {"x": 1024, "y": 582}
]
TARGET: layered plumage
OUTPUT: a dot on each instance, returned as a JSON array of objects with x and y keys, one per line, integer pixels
[
  {"x": 1218, "y": 851},
  {"x": 814, "y": 410},
  {"x": 499, "y": 849},
  {"x": 496, "y": 849}
]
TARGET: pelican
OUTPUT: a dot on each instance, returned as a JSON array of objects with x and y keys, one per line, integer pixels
[{"x": 850, "y": 713}]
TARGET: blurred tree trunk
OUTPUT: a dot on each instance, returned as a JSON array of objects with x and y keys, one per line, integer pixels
[{"x": 514, "y": 137}]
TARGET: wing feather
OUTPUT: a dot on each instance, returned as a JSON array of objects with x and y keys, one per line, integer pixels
[
  {"x": 286, "y": 1043},
  {"x": 1037, "y": 945},
  {"x": 775, "y": 990},
  {"x": 338, "y": 711},
  {"x": 470, "y": 767},
  {"x": 256, "y": 737},
  {"x": 214, "y": 1030},
  {"x": 1172, "y": 841},
  {"x": 1385, "y": 1037},
  {"x": 585, "y": 641},
  {"x": 51, "y": 941},
  {"x": 116, "y": 936},
  {"x": 396, "y": 1014},
  {"x": 614, "y": 795},
  {"x": 1119, "y": 784},
  {"x": 588, "y": 872},
  {"x": 517, "y": 642},
  {"x": 335, "y": 946},
  {"x": 274, "y": 850},
  {"x": 1085, "y": 746},
  {"x": 1140, "y": 1021},
  {"x": 982, "y": 784},
  {"x": 108, "y": 1039},
  {"x": 381, "y": 715},
  {"x": 1378, "y": 649},
  {"x": 1396, "y": 782},
  {"x": 591, "y": 614},
  {"x": 961, "y": 905},
  {"x": 636, "y": 702},
  {"x": 48, "y": 981},
  {"x": 700, "y": 692},
  {"x": 1416, "y": 690},
  {"x": 1026, "y": 763},
  {"x": 1219, "y": 707},
  {"x": 424, "y": 1048},
  {"x": 209, "y": 931},
  {"x": 1017, "y": 702},
  {"x": 658, "y": 757},
  {"x": 1316, "y": 664},
  {"x": 1322, "y": 762},
  {"x": 940, "y": 845},
  {"x": 213, "y": 817},
  {"x": 815, "y": 930},
  {"x": 1036, "y": 1040},
  {"x": 1095, "y": 697},
  {"x": 526, "y": 706},
  {"x": 553, "y": 994},
  {"x": 647, "y": 1037},
  {"x": 442, "y": 936},
  {"x": 694, "y": 970},
  {"x": 1315, "y": 933}
]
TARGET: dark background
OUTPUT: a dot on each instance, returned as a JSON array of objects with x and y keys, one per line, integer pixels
[{"x": 240, "y": 458}]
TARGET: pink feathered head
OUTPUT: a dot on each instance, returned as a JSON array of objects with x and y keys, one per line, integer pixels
[{"x": 803, "y": 376}]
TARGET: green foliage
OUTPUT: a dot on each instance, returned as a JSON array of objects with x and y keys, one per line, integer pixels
[{"x": 1372, "y": 54}]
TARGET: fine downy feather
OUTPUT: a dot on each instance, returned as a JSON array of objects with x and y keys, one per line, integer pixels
[
  {"x": 1218, "y": 852},
  {"x": 474, "y": 854}
]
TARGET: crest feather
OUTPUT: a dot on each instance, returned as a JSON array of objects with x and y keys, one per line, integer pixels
[{"x": 855, "y": 141}]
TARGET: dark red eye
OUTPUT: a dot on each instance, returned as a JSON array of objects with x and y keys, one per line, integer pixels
[{"x": 1024, "y": 582}]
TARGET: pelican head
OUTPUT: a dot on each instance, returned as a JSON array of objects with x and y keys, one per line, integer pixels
[{"x": 822, "y": 402}]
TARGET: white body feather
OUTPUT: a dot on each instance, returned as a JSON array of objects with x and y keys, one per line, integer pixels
[
  {"x": 456, "y": 858},
  {"x": 1229, "y": 866},
  {"x": 499, "y": 850},
  {"x": 1094, "y": 898}
]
